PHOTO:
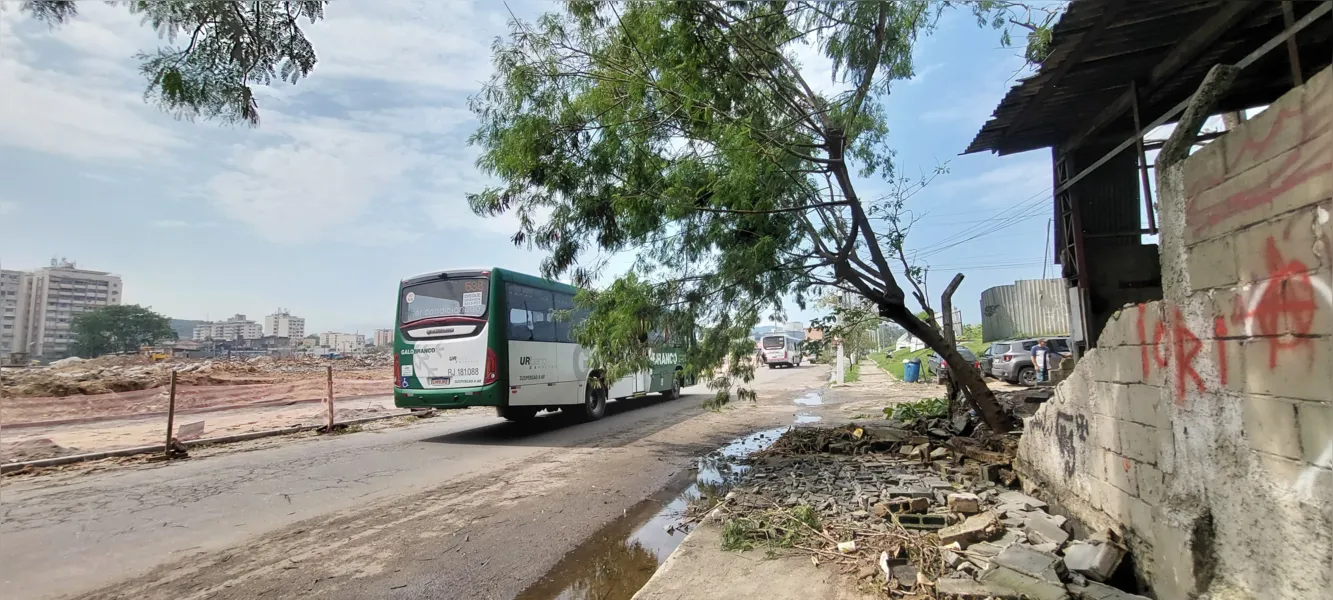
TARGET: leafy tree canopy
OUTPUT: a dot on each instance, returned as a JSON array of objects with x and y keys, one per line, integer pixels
[
  {"x": 216, "y": 51},
  {"x": 687, "y": 134},
  {"x": 119, "y": 328}
]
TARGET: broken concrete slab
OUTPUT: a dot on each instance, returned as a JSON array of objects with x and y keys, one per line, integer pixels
[
  {"x": 1096, "y": 561},
  {"x": 976, "y": 528},
  {"x": 1012, "y": 497},
  {"x": 967, "y": 504},
  {"x": 1042, "y": 529},
  {"x": 1028, "y": 561},
  {"x": 968, "y": 589},
  {"x": 939, "y": 453},
  {"x": 1098, "y": 591},
  {"x": 1024, "y": 585}
]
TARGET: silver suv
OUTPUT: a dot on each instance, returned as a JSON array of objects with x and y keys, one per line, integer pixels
[{"x": 1012, "y": 360}]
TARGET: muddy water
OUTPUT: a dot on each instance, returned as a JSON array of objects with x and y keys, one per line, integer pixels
[
  {"x": 814, "y": 398},
  {"x": 807, "y": 418},
  {"x": 617, "y": 560}
]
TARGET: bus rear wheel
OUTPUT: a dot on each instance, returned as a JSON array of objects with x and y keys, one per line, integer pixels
[
  {"x": 594, "y": 401},
  {"x": 517, "y": 414},
  {"x": 674, "y": 392}
]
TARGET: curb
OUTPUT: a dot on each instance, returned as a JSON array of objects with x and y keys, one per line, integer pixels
[{"x": 225, "y": 439}]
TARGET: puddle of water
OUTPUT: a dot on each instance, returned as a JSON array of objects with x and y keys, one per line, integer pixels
[
  {"x": 810, "y": 399},
  {"x": 620, "y": 558},
  {"x": 807, "y": 418}
]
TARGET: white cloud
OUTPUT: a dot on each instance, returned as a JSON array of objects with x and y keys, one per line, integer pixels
[
  {"x": 323, "y": 173},
  {"x": 921, "y": 73},
  {"x": 92, "y": 109},
  {"x": 8, "y": 207},
  {"x": 1012, "y": 183},
  {"x": 170, "y": 224}
]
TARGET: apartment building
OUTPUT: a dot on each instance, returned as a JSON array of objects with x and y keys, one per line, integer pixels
[
  {"x": 235, "y": 328},
  {"x": 283, "y": 324},
  {"x": 37, "y": 308},
  {"x": 342, "y": 342},
  {"x": 13, "y": 307},
  {"x": 383, "y": 337}
]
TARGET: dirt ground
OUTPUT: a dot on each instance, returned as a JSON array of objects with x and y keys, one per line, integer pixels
[
  {"x": 32, "y": 443},
  {"x": 88, "y": 405}
]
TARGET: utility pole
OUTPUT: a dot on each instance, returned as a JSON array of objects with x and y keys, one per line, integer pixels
[{"x": 1046, "y": 248}]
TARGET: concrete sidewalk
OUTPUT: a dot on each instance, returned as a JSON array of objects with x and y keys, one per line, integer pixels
[{"x": 701, "y": 570}]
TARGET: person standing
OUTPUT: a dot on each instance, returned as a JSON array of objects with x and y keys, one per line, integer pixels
[{"x": 1039, "y": 360}]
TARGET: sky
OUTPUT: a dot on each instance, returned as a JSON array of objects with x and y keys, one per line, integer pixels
[{"x": 357, "y": 176}]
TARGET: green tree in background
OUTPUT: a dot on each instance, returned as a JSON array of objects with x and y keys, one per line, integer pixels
[
  {"x": 216, "y": 51},
  {"x": 688, "y": 134},
  {"x": 120, "y": 328}
]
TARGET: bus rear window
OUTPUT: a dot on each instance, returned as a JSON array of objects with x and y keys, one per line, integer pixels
[
  {"x": 773, "y": 343},
  {"x": 444, "y": 298}
]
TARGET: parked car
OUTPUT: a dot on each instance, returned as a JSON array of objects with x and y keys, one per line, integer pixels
[
  {"x": 1012, "y": 360},
  {"x": 941, "y": 368}
]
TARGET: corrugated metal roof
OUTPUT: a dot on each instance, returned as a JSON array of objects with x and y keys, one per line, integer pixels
[{"x": 1109, "y": 43}]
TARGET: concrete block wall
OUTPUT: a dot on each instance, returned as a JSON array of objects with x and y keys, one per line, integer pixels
[{"x": 1202, "y": 425}]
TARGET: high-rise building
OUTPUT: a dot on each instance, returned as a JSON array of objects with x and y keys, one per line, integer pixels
[
  {"x": 13, "y": 311},
  {"x": 235, "y": 328},
  {"x": 383, "y": 337},
  {"x": 45, "y": 302},
  {"x": 283, "y": 324}
]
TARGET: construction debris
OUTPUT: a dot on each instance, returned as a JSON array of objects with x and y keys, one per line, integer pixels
[{"x": 914, "y": 513}]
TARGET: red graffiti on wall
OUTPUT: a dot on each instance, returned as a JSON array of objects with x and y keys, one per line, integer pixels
[
  {"x": 1283, "y": 306},
  {"x": 1301, "y": 164},
  {"x": 1181, "y": 349}
]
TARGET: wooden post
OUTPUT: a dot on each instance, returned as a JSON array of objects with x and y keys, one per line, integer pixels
[
  {"x": 946, "y": 305},
  {"x": 171, "y": 413},
  {"x": 330, "y": 378}
]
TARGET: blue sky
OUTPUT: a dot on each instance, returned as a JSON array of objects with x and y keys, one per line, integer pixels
[{"x": 313, "y": 211}]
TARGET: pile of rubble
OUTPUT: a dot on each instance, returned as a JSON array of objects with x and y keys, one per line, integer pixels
[
  {"x": 74, "y": 377},
  {"x": 916, "y": 516}
]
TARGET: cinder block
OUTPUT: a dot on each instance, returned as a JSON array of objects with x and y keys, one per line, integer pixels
[
  {"x": 1286, "y": 247},
  {"x": 1289, "y": 367},
  {"x": 1148, "y": 405},
  {"x": 1139, "y": 442},
  {"x": 1115, "y": 502},
  {"x": 1211, "y": 264},
  {"x": 1121, "y": 473},
  {"x": 1315, "y": 422},
  {"x": 1270, "y": 425},
  {"x": 1281, "y": 184},
  {"x": 1104, "y": 433},
  {"x": 1319, "y": 102},
  {"x": 1142, "y": 517},
  {"x": 1150, "y": 484},
  {"x": 1206, "y": 168},
  {"x": 1266, "y": 135}
]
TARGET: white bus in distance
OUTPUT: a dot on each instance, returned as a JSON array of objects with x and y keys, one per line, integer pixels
[{"x": 781, "y": 350}]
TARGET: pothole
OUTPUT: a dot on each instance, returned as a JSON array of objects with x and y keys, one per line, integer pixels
[
  {"x": 622, "y": 556},
  {"x": 814, "y": 398}
]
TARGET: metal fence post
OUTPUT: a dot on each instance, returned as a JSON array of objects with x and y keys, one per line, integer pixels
[{"x": 330, "y": 378}]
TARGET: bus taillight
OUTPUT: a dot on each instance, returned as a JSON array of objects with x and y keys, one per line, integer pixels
[
  {"x": 492, "y": 367},
  {"x": 397, "y": 367}
]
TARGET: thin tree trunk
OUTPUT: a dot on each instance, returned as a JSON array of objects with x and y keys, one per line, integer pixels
[{"x": 980, "y": 397}]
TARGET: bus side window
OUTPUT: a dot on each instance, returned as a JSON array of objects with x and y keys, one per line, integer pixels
[
  {"x": 564, "y": 306},
  {"x": 516, "y": 300},
  {"x": 540, "y": 306}
]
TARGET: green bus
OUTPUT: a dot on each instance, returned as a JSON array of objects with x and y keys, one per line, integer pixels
[{"x": 490, "y": 337}]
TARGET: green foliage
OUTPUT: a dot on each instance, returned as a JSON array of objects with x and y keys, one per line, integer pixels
[
  {"x": 1037, "y": 21},
  {"x": 925, "y": 408},
  {"x": 217, "y": 51},
  {"x": 971, "y": 332},
  {"x": 120, "y": 328},
  {"x": 775, "y": 528},
  {"x": 853, "y": 373}
]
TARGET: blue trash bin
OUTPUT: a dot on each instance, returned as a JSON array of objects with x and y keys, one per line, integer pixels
[{"x": 911, "y": 370}]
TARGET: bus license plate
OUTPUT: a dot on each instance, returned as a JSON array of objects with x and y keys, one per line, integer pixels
[{"x": 439, "y": 380}]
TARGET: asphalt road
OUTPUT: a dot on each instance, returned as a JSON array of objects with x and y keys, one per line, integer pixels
[{"x": 468, "y": 507}]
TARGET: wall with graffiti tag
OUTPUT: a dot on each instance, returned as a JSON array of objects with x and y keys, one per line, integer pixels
[{"x": 1202, "y": 425}]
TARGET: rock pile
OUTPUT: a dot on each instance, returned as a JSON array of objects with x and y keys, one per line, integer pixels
[{"x": 917, "y": 517}]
